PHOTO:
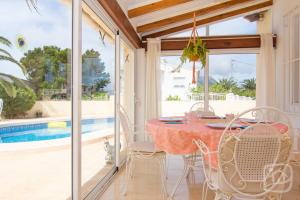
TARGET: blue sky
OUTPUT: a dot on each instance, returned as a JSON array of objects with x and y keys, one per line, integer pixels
[{"x": 53, "y": 27}]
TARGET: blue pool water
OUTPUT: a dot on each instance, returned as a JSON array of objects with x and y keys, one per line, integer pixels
[{"x": 43, "y": 131}]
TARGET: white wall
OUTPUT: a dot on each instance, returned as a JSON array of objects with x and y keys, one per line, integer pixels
[
  {"x": 63, "y": 108},
  {"x": 140, "y": 77},
  {"x": 280, "y": 9}
]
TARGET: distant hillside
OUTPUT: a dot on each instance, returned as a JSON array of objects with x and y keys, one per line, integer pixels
[{"x": 211, "y": 80}]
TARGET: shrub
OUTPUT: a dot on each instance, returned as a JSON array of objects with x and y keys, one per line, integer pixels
[
  {"x": 18, "y": 106},
  {"x": 173, "y": 98},
  {"x": 101, "y": 96},
  {"x": 98, "y": 96}
]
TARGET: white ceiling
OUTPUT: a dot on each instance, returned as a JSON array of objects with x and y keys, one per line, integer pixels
[{"x": 172, "y": 11}]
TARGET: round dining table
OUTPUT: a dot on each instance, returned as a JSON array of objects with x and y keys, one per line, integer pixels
[{"x": 177, "y": 138}]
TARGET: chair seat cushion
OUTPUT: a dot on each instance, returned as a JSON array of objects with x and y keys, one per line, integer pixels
[{"x": 144, "y": 147}]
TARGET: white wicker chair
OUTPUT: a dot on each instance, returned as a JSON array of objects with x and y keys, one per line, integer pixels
[
  {"x": 141, "y": 150},
  {"x": 199, "y": 108},
  {"x": 253, "y": 162}
]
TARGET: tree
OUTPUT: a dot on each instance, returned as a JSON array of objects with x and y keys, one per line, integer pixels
[
  {"x": 8, "y": 82},
  {"x": 249, "y": 84},
  {"x": 248, "y": 88},
  {"x": 224, "y": 85},
  {"x": 47, "y": 68},
  {"x": 93, "y": 71},
  {"x": 32, "y": 5},
  {"x": 227, "y": 83},
  {"x": 198, "y": 89}
]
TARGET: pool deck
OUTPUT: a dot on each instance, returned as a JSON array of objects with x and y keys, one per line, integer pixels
[{"x": 32, "y": 173}]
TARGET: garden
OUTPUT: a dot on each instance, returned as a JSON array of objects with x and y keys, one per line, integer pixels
[{"x": 48, "y": 77}]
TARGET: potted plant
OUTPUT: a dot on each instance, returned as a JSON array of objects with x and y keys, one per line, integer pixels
[{"x": 195, "y": 52}]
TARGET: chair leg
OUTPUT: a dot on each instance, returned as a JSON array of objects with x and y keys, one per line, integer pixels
[
  {"x": 131, "y": 167},
  {"x": 166, "y": 164},
  {"x": 161, "y": 162},
  {"x": 204, "y": 190},
  {"x": 184, "y": 174},
  {"x": 127, "y": 173}
]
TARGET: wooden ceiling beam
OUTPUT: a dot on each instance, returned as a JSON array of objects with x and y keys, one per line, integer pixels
[
  {"x": 159, "y": 5},
  {"x": 210, "y": 19},
  {"x": 114, "y": 10},
  {"x": 215, "y": 42},
  {"x": 200, "y": 12}
]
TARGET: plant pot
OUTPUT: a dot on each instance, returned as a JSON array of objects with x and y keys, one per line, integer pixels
[{"x": 193, "y": 58}]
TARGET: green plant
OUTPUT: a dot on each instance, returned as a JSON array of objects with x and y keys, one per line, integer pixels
[
  {"x": 249, "y": 84},
  {"x": 198, "y": 89},
  {"x": 173, "y": 98},
  {"x": 17, "y": 106},
  {"x": 195, "y": 52},
  {"x": 8, "y": 82},
  {"x": 100, "y": 96}
]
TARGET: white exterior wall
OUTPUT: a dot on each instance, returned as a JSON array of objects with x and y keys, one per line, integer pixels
[{"x": 176, "y": 83}]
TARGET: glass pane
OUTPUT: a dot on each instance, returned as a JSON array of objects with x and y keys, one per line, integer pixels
[
  {"x": 98, "y": 101},
  {"x": 232, "y": 82},
  {"x": 178, "y": 94},
  {"x": 126, "y": 88},
  {"x": 236, "y": 26},
  {"x": 35, "y": 129}
]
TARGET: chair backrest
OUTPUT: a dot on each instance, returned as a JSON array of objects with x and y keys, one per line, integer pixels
[
  {"x": 126, "y": 126},
  {"x": 199, "y": 108},
  {"x": 245, "y": 154}
]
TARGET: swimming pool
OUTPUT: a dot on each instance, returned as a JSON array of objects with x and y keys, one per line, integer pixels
[{"x": 52, "y": 130}]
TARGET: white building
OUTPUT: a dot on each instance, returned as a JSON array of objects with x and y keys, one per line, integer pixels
[{"x": 175, "y": 83}]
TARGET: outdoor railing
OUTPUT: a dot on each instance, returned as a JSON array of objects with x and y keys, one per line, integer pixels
[{"x": 212, "y": 96}]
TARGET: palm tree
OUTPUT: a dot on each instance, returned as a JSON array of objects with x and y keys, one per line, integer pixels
[
  {"x": 8, "y": 81},
  {"x": 227, "y": 83},
  {"x": 249, "y": 84},
  {"x": 32, "y": 5}
]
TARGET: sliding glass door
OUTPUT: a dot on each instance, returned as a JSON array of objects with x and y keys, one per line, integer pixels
[
  {"x": 98, "y": 117},
  {"x": 38, "y": 103}
]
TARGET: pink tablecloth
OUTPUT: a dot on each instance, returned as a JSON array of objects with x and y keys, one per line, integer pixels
[{"x": 177, "y": 138}]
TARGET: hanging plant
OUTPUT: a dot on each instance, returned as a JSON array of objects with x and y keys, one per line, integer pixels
[{"x": 195, "y": 51}]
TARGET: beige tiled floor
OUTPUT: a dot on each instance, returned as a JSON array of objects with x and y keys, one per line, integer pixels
[{"x": 145, "y": 184}]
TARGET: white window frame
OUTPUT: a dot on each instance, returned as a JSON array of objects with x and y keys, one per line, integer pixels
[{"x": 289, "y": 60}]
